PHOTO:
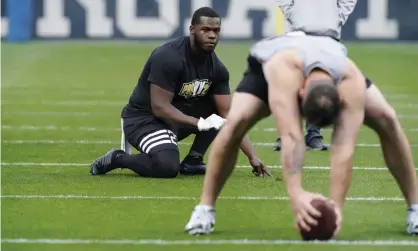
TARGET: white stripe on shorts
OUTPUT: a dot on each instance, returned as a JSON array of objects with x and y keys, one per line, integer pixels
[{"x": 157, "y": 138}]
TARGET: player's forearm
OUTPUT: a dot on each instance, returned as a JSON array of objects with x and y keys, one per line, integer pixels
[
  {"x": 247, "y": 148},
  {"x": 340, "y": 173},
  {"x": 292, "y": 155},
  {"x": 171, "y": 114}
]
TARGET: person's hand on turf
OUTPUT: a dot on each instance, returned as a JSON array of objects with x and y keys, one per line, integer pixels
[{"x": 259, "y": 169}]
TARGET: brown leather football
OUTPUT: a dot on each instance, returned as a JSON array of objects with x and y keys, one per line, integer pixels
[{"x": 327, "y": 223}]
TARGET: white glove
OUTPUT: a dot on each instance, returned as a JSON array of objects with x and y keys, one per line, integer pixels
[
  {"x": 203, "y": 125},
  {"x": 215, "y": 121},
  {"x": 202, "y": 220}
]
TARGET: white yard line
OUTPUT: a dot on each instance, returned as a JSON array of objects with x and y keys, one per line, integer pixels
[
  {"x": 54, "y": 164},
  {"x": 408, "y": 116},
  {"x": 145, "y": 197},
  {"x": 405, "y": 106},
  {"x": 101, "y": 113},
  {"x": 57, "y": 128},
  {"x": 55, "y": 114},
  {"x": 211, "y": 242},
  {"x": 92, "y": 128},
  {"x": 272, "y": 129},
  {"x": 109, "y": 142},
  {"x": 123, "y": 103},
  {"x": 16, "y": 90},
  {"x": 67, "y": 102},
  {"x": 30, "y": 93}
]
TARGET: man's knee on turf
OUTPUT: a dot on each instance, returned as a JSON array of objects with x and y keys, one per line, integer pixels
[{"x": 166, "y": 163}]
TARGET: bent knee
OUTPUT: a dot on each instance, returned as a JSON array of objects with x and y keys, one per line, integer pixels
[
  {"x": 235, "y": 127},
  {"x": 384, "y": 118},
  {"x": 241, "y": 120},
  {"x": 167, "y": 169},
  {"x": 167, "y": 163},
  {"x": 387, "y": 116}
]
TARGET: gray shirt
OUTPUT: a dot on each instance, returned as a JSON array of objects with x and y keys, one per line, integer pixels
[
  {"x": 316, "y": 16},
  {"x": 316, "y": 52}
]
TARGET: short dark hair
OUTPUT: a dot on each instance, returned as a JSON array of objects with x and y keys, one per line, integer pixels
[
  {"x": 321, "y": 105},
  {"x": 203, "y": 12}
]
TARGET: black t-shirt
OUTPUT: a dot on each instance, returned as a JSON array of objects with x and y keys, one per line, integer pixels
[{"x": 173, "y": 67}]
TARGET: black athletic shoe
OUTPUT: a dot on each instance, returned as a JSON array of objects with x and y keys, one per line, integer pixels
[
  {"x": 193, "y": 165},
  {"x": 103, "y": 163},
  {"x": 315, "y": 143},
  {"x": 278, "y": 145},
  {"x": 311, "y": 142}
]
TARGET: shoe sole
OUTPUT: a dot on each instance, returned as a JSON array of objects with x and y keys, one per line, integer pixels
[
  {"x": 192, "y": 171},
  {"x": 307, "y": 149},
  {"x": 316, "y": 149},
  {"x": 94, "y": 173},
  {"x": 198, "y": 231}
]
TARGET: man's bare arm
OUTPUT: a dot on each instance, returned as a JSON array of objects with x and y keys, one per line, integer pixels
[
  {"x": 344, "y": 137},
  {"x": 162, "y": 107},
  {"x": 223, "y": 103},
  {"x": 165, "y": 71},
  {"x": 284, "y": 80}
]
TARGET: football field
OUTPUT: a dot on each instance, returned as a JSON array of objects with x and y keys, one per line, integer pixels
[{"x": 61, "y": 105}]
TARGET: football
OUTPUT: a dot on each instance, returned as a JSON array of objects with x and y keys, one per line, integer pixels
[{"x": 327, "y": 223}]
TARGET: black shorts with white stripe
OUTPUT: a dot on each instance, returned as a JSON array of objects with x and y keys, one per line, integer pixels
[
  {"x": 148, "y": 135},
  {"x": 162, "y": 139}
]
